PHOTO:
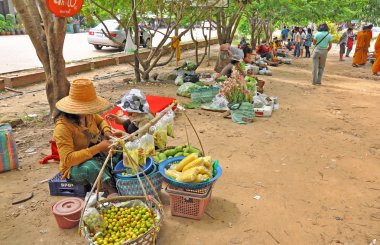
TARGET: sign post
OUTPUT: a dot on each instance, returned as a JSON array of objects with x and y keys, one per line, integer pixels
[{"x": 64, "y": 8}]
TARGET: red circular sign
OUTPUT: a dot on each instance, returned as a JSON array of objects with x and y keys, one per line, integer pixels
[{"x": 64, "y": 8}]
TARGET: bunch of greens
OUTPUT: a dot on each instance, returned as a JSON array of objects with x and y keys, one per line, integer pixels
[{"x": 235, "y": 89}]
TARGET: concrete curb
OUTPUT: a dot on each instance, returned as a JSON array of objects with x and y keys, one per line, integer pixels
[{"x": 14, "y": 79}]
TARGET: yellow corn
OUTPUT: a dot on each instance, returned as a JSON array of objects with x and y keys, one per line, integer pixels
[
  {"x": 204, "y": 170},
  {"x": 195, "y": 163},
  {"x": 208, "y": 161},
  {"x": 189, "y": 175},
  {"x": 172, "y": 173},
  {"x": 185, "y": 161},
  {"x": 201, "y": 178},
  {"x": 173, "y": 166}
]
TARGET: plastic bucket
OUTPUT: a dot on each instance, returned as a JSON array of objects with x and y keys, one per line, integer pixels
[{"x": 67, "y": 212}]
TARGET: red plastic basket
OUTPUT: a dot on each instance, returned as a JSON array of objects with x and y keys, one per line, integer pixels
[{"x": 189, "y": 203}]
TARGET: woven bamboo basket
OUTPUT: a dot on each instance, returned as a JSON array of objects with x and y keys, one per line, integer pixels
[{"x": 149, "y": 238}]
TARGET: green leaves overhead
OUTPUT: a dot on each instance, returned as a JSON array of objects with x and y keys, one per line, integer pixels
[{"x": 294, "y": 12}]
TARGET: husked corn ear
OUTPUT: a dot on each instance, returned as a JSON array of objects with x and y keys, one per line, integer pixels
[
  {"x": 172, "y": 173},
  {"x": 186, "y": 160},
  {"x": 204, "y": 170},
  {"x": 173, "y": 166},
  {"x": 195, "y": 163},
  {"x": 206, "y": 176},
  {"x": 201, "y": 178},
  {"x": 189, "y": 175},
  {"x": 208, "y": 161}
]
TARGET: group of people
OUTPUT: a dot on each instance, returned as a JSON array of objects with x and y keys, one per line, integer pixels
[
  {"x": 362, "y": 48},
  {"x": 322, "y": 42},
  {"x": 300, "y": 38}
]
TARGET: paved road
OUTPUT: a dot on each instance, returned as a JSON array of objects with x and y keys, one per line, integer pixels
[{"x": 18, "y": 53}]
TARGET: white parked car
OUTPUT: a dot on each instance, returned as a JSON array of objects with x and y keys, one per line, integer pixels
[{"x": 97, "y": 38}]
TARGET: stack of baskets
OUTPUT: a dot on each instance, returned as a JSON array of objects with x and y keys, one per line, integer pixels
[
  {"x": 130, "y": 185},
  {"x": 188, "y": 200}
]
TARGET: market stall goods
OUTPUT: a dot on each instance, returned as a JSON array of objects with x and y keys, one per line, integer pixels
[
  {"x": 192, "y": 173},
  {"x": 177, "y": 151},
  {"x": 123, "y": 220}
]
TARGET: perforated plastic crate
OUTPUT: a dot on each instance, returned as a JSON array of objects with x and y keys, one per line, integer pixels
[
  {"x": 59, "y": 187},
  {"x": 189, "y": 203}
]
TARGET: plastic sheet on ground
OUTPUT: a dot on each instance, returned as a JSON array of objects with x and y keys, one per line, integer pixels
[{"x": 186, "y": 89}]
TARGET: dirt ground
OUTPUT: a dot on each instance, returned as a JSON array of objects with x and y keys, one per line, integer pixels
[{"x": 315, "y": 163}]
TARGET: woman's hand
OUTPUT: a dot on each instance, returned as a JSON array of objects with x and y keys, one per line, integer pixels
[
  {"x": 107, "y": 135},
  {"x": 116, "y": 119},
  {"x": 104, "y": 145},
  {"x": 118, "y": 133}
]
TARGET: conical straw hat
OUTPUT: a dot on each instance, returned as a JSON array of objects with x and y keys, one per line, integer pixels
[{"x": 82, "y": 99}]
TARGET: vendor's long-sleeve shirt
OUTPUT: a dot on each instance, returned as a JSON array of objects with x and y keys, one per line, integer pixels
[{"x": 73, "y": 141}]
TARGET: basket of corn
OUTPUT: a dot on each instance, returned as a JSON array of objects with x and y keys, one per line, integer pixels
[
  {"x": 138, "y": 221},
  {"x": 191, "y": 172}
]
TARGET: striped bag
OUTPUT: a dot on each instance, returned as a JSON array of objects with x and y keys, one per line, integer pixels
[{"x": 8, "y": 151}]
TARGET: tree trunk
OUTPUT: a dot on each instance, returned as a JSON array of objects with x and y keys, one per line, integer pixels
[
  {"x": 259, "y": 36},
  {"x": 48, "y": 41},
  {"x": 227, "y": 25},
  {"x": 145, "y": 76},
  {"x": 137, "y": 42}
]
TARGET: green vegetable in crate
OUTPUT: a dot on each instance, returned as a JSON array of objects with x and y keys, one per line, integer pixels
[
  {"x": 156, "y": 158},
  {"x": 179, "y": 154},
  {"x": 176, "y": 152},
  {"x": 178, "y": 148},
  {"x": 162, "y": 156},
  {"x": 171, "y": 152}
]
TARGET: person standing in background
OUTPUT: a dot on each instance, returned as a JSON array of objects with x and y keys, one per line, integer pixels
[
  {"x": 342, "y": 43},
  {"x": 284, "y": 34},
  {"x": 376, "y": 65},
  {"x": 350, "y": 42},
  {"x": 243, "y": 42},
  {"x": 362, "y": 46},
  {"x": 323, "y": 43},
  {"x": 309, "y": 39},
  {"x": 303, "y": 40},
  {"x": 297, "y": 43}
]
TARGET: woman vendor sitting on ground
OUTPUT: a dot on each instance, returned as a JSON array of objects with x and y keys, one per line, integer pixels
[
  {"x": 227, "y": 70},
  {"x": 134, "y": 102},
  {"x": 264, "y": 51},
  {"x": 78, "y": 133}
]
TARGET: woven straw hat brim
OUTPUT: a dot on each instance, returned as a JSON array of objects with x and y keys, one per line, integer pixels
[{"x": 71, "y": 106}]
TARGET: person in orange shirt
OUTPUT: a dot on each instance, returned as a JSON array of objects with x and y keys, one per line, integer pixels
[
  {"x": 81, "y": 135},
  {"x": 376, "y": 65},
  {"x": 362, "y": 46}
]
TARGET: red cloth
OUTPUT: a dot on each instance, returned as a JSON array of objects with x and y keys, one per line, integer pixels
[{"x": 156, "y": 104}]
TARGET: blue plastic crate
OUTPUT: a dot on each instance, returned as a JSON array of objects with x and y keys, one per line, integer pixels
[{"x": 59, "y": 187}]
